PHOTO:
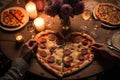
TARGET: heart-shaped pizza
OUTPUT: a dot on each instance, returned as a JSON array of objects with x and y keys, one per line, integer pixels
[{"x": 66, "y": 55}]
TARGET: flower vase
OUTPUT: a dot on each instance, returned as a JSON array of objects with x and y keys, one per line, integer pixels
[{"x": 65, "y": 24}]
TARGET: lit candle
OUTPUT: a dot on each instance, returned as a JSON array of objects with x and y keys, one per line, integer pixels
[
  {"x": 19, "y": 38},
  {"x": 31, "y": 9},
  {"x": 39, "y": 24}
]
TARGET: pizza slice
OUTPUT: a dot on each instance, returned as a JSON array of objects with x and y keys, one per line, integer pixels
[
  {"x": 77, "y": 52},
  {"x": 17, "y": 14},
  {"x": 52, "y": 61},
  {"x": 50, "y": 52}
]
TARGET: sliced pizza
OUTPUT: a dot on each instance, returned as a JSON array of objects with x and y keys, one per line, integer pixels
[
  {"x": 64, "y": 56},
  {"x": 14, "y": 17},
  {"x": 108, "y": 13},
  {"x": 18, "y": 14},
  {"x": 9, "y": 20}
]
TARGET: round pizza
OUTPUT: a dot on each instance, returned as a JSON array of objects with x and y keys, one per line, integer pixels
[
  {"x": 13, "y": 17},
  {"x": 107, "y": 13},
  {"x": 66, "y": 55}
]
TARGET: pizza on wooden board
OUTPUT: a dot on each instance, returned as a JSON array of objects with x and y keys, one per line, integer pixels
[
  {"x": 64, "y": 56},
  {"x": 107, "y": 13},
  {"x": 12, "y": 17}
]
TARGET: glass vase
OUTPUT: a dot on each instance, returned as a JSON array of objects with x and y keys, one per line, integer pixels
[{"x": 65, "y": 24}]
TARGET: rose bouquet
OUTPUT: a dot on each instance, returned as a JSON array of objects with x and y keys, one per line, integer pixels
[{"x": 65, "y": 9}]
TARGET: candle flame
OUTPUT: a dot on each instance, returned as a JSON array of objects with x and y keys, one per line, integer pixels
[
  {"x": 39, "y": 21},
  {"x": 30, "y": 6},
  {"x": 19, "y": 37}
]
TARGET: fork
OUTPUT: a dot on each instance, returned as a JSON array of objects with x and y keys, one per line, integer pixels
[{"x": 111, "y": 46}]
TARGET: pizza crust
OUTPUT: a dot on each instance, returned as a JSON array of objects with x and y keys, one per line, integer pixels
[
  {"x": 57, "y": 71},
  {"x": 79, "y": 67},
  {"x": 81, "y": 34},
  {"x": 43, "y": 33}
]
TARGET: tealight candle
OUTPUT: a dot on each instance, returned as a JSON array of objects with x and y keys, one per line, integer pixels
[
  {"x": 39, "y": 24},
  {"x": 31, "y": 9},
  {"x": 19, "y": 38}
]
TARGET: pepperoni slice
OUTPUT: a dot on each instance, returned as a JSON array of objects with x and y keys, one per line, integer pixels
[
  {"x": 85, "y": 42},
  {"x": 42, "y": 53},
  {"x": 67, "y": 64},
  {"x": 51, "y": 37},
  {"x": 51, "y": 59},
  {"x": 42, "y": 45},
  {"x": 52, "y": 49},
  {"x": 59, "y": 41},
  {"x": 80, "y": 57},
  {"x": 84, "y": 51},
  {"x": 43, "y": 40},
  {"x": 77, "y": 39},
  {"x": 67, "y": 52}
]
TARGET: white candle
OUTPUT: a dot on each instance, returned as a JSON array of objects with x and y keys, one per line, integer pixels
[
  {"x": 39, "y": 24},
  {"x": 31, "y": 9}
]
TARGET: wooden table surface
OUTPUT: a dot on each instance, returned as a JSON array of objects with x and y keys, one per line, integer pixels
[{"x": 91, "y": 26}]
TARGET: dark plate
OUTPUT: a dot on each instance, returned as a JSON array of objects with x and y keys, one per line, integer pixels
[
  {"x": 104, "y": 24},
  {"x": 116, "y": 40}
]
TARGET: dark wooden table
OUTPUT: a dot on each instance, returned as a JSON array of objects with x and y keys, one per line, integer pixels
[{"x": 91, "y": 26}]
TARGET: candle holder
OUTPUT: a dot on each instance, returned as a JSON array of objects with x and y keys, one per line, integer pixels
[
  {"x": 30, "y": 28},
  {"x": 19, "y": 39},
  {"x": 66, "y": 25}
]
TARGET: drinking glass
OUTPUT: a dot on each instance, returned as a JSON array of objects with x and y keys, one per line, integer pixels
[
  {"x": 30, "y": 27},
  {"x": 96, "y": 25},
  {"x": 86, "y": 17},
  {"x": 17, "y": 1},
  {"x": 49, "y": 21}
]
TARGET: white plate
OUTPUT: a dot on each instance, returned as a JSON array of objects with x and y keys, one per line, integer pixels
[
  {"x": 25, "y": 20},
  {"x": 116, "y": 40},
  {"x": 106, "y": 25}
]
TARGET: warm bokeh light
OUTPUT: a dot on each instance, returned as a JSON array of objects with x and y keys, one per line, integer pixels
[
  {"x": 19, "y": 38},
  {"x": 39, "y": 24},
  {"x": 31, "y": 9}
]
